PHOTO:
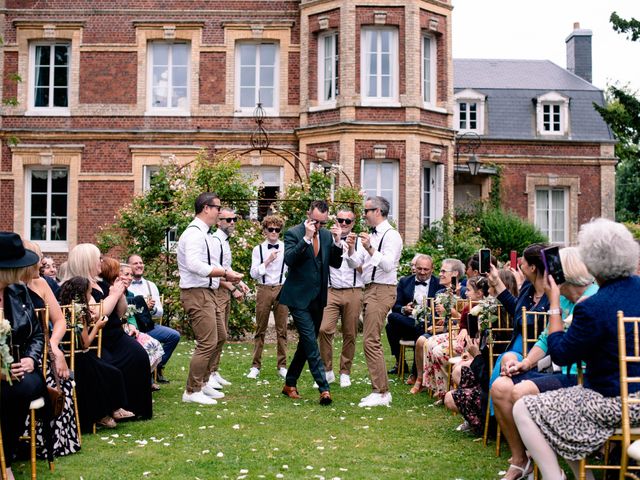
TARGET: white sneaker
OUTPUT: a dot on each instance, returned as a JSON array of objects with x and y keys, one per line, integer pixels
[
  {"x": 220, "y": 380},
  {"x": 213, "y": 383},
  {"x": 367, "y": 398},
  {"x": 212, "y": 392},
  {"x": 331, "y": 377},
  {"x": 376, "y": 400},
  {"x": 463, "y": 427},
  {"x": 253, "y": 373},
  {"x": 345, "y": 380},
  {"x": 315, "y": 385},
  {"x": 198, "y": 397},
  {"x": 282, "y": 372}
]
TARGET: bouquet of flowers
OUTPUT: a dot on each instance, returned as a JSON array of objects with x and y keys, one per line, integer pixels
[
  {"x": 5, "y": 355},
  {"x": 131, "y": 311},
  {"x": 447, "y": 300},
  {"x": 421, "y": 311},
  {"x": 486, "y": 311}
]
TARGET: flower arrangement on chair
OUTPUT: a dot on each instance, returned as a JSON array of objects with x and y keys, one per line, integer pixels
[
  {"x": 421, "y": 312},
  {"x": 486, "y": 311},
  {"x": 5, "y": 355}
]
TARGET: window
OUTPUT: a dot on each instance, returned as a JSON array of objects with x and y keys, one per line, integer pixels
[
  {"x": 468, "y": 116},
  {"x": 50, "y": 76},
  {"x": 469, "y": 112},
  {"x": 380, "y": 177},
  {"x": 269, "y": 181},
  {"x": 169, "y": 77},
  {"x": 551, "y": 213},
  {"x": 328, "y": 72},
  {"x": 429, "y": 70},
  {"x": 47, "y": 203},
  {"x": 379, "y": 65},
  {"x": 257, "y": 67},
  {"x": 552, "y": 110},
  {"x": 148, "y": 173},
  {"x": 432, "y": 193}
]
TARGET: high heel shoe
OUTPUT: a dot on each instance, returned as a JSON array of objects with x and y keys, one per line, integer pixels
[{"x": 523, "y": 472}]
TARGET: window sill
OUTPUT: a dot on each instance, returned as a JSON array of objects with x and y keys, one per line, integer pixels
[
  {"x": 250, "y": 113},
  {"x": 323, "y": 106},
  {"x": 54, "y": 247},
  {"x": 380, "y": 103},
  {"x": 167, "y": 113},
  {"x": 48, "y": 112},
  {"x": 432, "y": 108}
]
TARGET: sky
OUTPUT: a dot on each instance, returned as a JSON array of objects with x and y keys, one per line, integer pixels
[{"x": 537, "y": 29}]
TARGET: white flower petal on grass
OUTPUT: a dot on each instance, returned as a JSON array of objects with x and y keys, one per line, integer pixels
[
  {"x": 276, "y": 449},
  {"x": 198, "y": 412},
  {"x": 204, "y": 452},
  {"x": 145, "y": 474},
  {"x": 104, "y": 438},
  {"x": 244, "y": 470},
  {"x": 115, "y": 435},
  {"x": 219, "y": 454},
  {"x": 166, "y": 444},
  {"x": 236, "y": 426},
  {"x": 344, "y": 469},
  {"x": 279, "y": 475},
  {"x": 203, "y": 427},
  {"x": 309, "y": 467},
  {"x": 180, "y": 435},
  {"x": 380, "y": 418},
  {"x": 320, "y": 448},
  {"x": 285, "y": 467},
  {"x": 365, "y": 426},
  {"x": 218, "y": 417}
]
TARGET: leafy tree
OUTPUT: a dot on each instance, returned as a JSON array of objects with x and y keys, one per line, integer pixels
[{"x": 622, "y": 114}]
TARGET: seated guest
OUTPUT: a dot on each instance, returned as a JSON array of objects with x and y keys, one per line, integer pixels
[
  {"x": 48, "y": 271},
  {"x": 167, "y": 336},
  {"x": 412, "y": 290},
  {"x": 27, "y": 344},
  {"x": 65, "y": 429},
  {"x": 576, "y": 421},
  {"x": 521, "y": 378},
  {"x": 100, "y": 387},
  {"x": 118, "y": 348}
]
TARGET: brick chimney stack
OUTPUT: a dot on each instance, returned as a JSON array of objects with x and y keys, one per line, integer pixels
[{"x": 579, "y": 52}]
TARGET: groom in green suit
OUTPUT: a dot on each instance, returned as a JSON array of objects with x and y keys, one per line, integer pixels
[{"x": 309, "y": 250}]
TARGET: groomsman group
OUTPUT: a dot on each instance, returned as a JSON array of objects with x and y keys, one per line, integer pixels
[{"x": 317, "y": 275}]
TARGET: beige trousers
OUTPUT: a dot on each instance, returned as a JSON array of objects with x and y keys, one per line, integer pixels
[
  {"x": 223, "y": 310},
  {"x": 266, "y": 301},
  {"x": 378, "y": 300}
]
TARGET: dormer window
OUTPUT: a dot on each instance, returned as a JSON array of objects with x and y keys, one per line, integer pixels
[
  {"x": 469, "y": 113},
  {"x": 552, "y": 114}
]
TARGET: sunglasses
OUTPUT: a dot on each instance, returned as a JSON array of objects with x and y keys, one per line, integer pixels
[
  {"x": 213, "y": 206},
  {"x": 230, "y": 219},
  {"x": 273, "y": 229},
  {"x": 318, "y": 222},
  {"x": 367, "y": 210},
  {"x": 344, "y": 220}
]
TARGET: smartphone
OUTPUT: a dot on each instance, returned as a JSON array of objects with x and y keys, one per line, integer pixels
[
  {"x": 454, "y": 283},
  {"x": 552, "y": 263},
  {"x": 514, "y": 259},
  {"x": 485, "y": 260}
]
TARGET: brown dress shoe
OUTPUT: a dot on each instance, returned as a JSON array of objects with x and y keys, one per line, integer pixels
[
  {"x": 291, "y": 392},
  {"x": 325, "y": 398}
]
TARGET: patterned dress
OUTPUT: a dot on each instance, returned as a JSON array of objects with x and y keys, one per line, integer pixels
[{"x": 436, "y": 356}]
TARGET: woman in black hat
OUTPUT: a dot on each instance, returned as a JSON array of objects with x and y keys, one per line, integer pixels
[{"x": 27, "y": 342}]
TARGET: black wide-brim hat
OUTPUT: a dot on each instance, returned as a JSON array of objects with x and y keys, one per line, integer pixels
[{"x": 12, "y": 252}]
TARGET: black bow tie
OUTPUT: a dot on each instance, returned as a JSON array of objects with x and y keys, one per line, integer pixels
[
  {"x": 372, "y": 230},
  {"x": 276, "y": 246},
  {"x": 421, "y": 283}
]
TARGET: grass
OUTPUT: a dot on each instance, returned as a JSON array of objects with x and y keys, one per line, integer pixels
[{"x": 255, "y": 432}]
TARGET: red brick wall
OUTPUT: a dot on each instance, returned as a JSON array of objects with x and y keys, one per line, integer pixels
[
  {"x": 98, "y": 204},
  {"x": 441, "y": 35},
  {"x": 314, "y": 32},
  {"x": 106, "y": 156},
  {"x": 433, "y": 118},
  {"x": 9, "y": 85},
  {"x": 5, "y": 166},
  {"x": 395, "y": 17},
  {"x": 294, "y": 78},
  {"x": 212, "y": 77},
  {"x": 375, "y": 114},
  {"x": 108, "y": 77},
  {"x": 6, "y": 205},
  {"x": 395, "y": 150},
  {"x": 324, "y": 116},
  {"x": 538, "y": 149},
  {"x": 425, "y": 156}
]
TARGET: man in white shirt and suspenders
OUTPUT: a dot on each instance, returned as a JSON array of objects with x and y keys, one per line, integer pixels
[
  {"x": 269, "y": 271},
  {"x": 379, "y": 259},
  {"x": 345, "y": 301}
]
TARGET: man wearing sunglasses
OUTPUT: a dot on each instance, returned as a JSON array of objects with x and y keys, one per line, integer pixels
[
  {"x": 309, "y": 251},
  {"x": 344, "y": 300},
  {"x": 221, "y": 251},
  {"x": 269, "y": 271},
  {"x": 200, "y": 274}
]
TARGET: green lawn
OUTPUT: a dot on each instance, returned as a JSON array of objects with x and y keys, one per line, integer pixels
[{"x": 256, "y": 432}]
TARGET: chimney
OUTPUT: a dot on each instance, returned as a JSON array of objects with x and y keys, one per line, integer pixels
[{"x": 579, "y": 52}]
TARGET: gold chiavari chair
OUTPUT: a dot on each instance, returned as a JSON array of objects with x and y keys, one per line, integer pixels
[
  {"x": 411, "y": 344},
  {"x": 68, "y": 344},
  {"x": 626, "y": 357},
  {"x": 3, "y": 465},
  {"x": 453, "y": 360}
]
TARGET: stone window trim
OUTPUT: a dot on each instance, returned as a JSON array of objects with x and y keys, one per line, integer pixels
[
  {"x": 550, "y": 99},
  {"x": 393, "y": 99},
  {"x": 470, "y": 96},
  {"x": 145, "y": 158},
  {"x": 30, "y": 32},
  {"x": 569, "y": 182},
  {"x": 395, "y": 164},
  {"x": 173, "y": 110},
  {"x": 28, "y": 156},
  {"x": 272, "y": 110},
  {"x": 430, "y": 98},
  {"x": 322, "y": 101}
]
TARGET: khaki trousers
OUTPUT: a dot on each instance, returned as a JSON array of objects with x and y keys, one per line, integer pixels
[
  {"x": 266, "y": 302},
  {"x": 378, "y": 300},
  {"x": 347, "y": 304},
  {"x": 223, "y": 310},
  {"x": 200, "y": 306}
]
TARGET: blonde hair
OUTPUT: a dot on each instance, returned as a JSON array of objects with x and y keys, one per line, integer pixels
[
  {"x": 32, "y": 271},
  {"x": 13, "y": 275},
  {"x": 575, "y": 271},
  {"x": 82, "y": 261}
]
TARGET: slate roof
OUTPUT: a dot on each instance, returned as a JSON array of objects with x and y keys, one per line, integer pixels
[{"x": 511, "y": 86}]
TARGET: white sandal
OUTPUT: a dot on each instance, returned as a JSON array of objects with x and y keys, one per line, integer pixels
[{"x": 525, "y": 472}]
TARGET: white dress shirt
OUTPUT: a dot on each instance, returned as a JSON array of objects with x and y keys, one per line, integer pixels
[
  {"x": 345, "y": 276},
  {"x": 147, "y": 288},
  {"x": 221, "y": 240},
  {"x": 382, "y": 266},
  {"x": 421, "y": 292},
  {"x": 275, "y": 272},
  {"x": 194, "y": 265}
]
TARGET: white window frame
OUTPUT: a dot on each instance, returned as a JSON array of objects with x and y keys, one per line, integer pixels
[
  {"x": 33, "y": 110},
  {"x": 334, "y": 59},
  {"x": 269, "y": 111},
  {"x": 470, "y": 97},
  {"x": 148, "y": 171},
  {"x": 552, "y": 99},
  {"x": 395, "y": 200},
  {"x": 46, "y": 245},
  {"x": 549, "y": 213},
  {"x": 435, "y": 209},
  {"x": 366, "y": 98},
  {"x": 430, "y": 85},
  {"x": 169, "y": 110}
]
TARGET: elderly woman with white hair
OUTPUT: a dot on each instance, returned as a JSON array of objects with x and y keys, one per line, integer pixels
[{"x": 573, "y": 422}]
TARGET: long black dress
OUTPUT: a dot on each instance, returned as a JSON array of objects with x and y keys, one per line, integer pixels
[{"x": 123, "y": 352}]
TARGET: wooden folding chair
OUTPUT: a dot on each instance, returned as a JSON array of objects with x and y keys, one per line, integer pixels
[
  {"x": 628, "y": 353},
  {"x": 69, "y": 343}
]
